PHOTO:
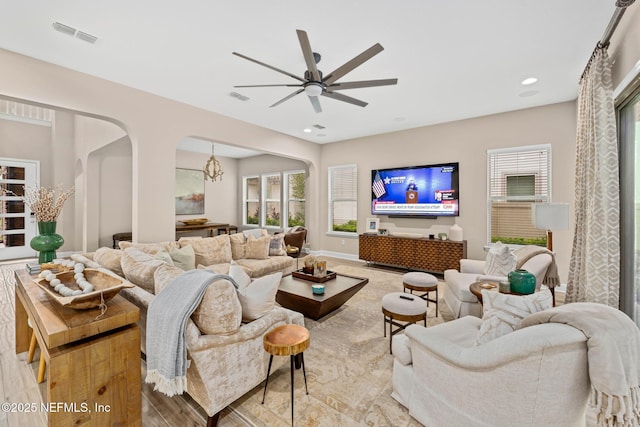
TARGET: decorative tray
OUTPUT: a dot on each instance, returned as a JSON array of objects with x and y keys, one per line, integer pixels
[
  {"x": 299, "y": 274},
  {"x": 105, "y": 283},
  {"x": 195, "y": 221}
]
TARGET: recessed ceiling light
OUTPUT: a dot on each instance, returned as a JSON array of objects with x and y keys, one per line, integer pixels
[
  {"x": 529, "y": 81},
  {"x": 307, "y": 130}
]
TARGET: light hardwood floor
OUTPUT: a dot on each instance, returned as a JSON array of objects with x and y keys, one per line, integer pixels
[{"x": 18, "y": 378}]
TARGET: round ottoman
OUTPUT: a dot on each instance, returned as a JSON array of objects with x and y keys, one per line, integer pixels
[
  {"x": 399, "y": 306},
  {"x": 422, "y": 282}
]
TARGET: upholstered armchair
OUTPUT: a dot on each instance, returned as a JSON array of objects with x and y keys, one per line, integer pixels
[
  {"x": 296, "y": 238},
  {"x": 535, "y": 376},
  {"x": 462, "y": 302}
]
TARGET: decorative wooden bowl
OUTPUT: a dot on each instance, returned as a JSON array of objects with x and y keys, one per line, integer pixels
[
  {"x": 106, "y": 285},
  {"x": 195, "y": 221}
]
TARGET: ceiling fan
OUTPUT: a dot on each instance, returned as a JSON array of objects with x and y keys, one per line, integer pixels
[{"x": 314, "y": 84}]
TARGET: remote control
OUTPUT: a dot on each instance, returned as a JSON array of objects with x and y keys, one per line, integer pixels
[{"x": 406, "y": 297}]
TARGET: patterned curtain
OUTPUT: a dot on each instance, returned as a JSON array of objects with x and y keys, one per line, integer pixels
[{"x": 594, "y": 269}]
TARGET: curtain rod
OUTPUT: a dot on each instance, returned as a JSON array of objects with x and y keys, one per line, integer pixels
[{"x": 621, "y": 7}]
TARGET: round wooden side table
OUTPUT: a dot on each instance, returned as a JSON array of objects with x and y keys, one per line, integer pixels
[{"x": 287, "y": 340}]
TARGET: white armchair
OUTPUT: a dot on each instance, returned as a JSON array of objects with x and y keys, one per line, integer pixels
[
  {"x": 462, "y": 302},
  {"x": 535, "y": 376}
]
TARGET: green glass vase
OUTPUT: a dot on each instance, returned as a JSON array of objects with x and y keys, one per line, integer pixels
[
  {"x": 47, "y": 242},
  {"x": 522, "y": 282}
]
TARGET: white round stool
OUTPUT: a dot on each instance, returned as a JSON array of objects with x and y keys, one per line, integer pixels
[
  {"x": 422, "y": 282},
  {"x": 402, "y": 307}
]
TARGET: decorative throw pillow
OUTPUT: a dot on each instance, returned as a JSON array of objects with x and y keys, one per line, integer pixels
[
  {"x": 500, "y": 260},
  {"x": 257, "y": 248},
  {"x": 219, "y": 312},
  {"x": 109, "y": 259},
  {"x": 277, "y": 246},
  {"x": 504, "y": 312},
  {"x": 139, "y": 267},
  {"x": 239, "y": 275},
  {"x": 259, "y": 297},
  {"x": 255, "y": 232},
  {"x": 163, "y": 256},
  {"x": 212, "y": 250},
  {"x": 184, "y": 257},
  {"x": 238, "y": 241}
]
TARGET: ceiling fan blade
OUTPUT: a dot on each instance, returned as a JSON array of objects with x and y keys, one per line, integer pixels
[
  {"x": 344, "y": 98},
  {"x": 355, "y": 62},
  {"x": 315, "y": 101},
  {"x": 282, "y": 85},
  {"x": 308, "y": 55},
  {"x": 362, "y": 83},
  {"x": 287, "y": 97},
  {"x": 269, "y": 66}
]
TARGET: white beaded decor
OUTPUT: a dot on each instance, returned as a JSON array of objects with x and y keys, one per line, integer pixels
[{"x": 81, "y": 281}]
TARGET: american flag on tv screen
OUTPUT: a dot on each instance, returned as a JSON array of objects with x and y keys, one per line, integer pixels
[{"x": 378, "y": 186}]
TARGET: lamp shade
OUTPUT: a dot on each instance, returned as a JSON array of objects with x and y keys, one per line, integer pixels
[{"x": 550, "y": 216}]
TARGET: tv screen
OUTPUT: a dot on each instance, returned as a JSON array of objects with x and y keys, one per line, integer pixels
[{"x": 428, "y": 191}]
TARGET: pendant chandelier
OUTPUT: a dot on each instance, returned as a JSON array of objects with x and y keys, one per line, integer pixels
[{"x": 212, "y": 170}]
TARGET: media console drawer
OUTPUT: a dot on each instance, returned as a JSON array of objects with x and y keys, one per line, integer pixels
[{"x": 424, "y": 254}]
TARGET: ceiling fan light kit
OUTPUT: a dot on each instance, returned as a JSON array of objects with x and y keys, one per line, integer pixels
[{"x": 314, "y": 84}]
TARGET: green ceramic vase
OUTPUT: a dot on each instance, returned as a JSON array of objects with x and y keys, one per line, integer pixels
[
  {"x": 522, "y": 282},
  {"x": 47, "y": 242}
]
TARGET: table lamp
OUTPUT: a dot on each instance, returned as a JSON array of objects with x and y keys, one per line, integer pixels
[{"x": 550, "y": 216}]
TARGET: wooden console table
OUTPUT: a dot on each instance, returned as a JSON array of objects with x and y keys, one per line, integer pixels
[
  {"x": 93, "y": 365},
  {"x": 423, "y": 254},
  {"x": 209, "y": 226}
]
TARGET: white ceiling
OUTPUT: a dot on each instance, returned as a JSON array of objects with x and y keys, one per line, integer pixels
[{"x": 454, "y": 59}]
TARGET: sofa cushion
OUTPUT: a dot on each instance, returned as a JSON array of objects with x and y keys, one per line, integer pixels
[
  {"x": 277, "y": 246},
  {"x": 259, "y": 297},
  {"x": 500, "y": 260},
  {"x": 219, "y": 312},
  {"x": 183, "y": 257},
  {"x": 150, "y": 248},
  {"x": 163, "y": 255},
  {"x": 255, "y": 232},
  {"x": 165, "y": 275},
  {"x": 239, "y": 275},
  {"x": 257, "y": 248},
  {"x": 238, "y": 241},
  {"x": 138, "y": 268},
  {"x": 262, "y": 267},
  {"x": 110, "y": 259},
  {"x": 503, "y": 312},
  {"x": 211, "y": 250}
]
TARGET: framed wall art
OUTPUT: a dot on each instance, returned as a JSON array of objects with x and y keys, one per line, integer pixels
[
  {"x": 372, "y": 225},
  {"x": 189, "y": 192}
]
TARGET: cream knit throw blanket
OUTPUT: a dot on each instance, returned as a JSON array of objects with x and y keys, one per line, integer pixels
[
  {"x": 525, "y": 253},
  {"x": 166, "y": 329},
  {"x": 613, "y": 351}
]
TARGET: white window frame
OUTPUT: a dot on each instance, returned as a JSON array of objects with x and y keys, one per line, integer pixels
[
  {"x": 264, "y": 178},
  {"x": 246, "y": 200},
  {"x": 544, "y": 197},
  {"x": 288, "y": 199},
  {"x": 331, "y": 200}
]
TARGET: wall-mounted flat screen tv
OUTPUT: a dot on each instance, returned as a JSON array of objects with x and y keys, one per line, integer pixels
[{"x": 420, "y": 191}]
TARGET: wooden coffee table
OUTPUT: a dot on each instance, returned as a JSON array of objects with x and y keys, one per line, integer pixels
[{"x": 296, "y": 294}]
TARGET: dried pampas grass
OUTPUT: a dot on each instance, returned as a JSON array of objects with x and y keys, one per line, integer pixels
[{"x": 43, "y": 202}]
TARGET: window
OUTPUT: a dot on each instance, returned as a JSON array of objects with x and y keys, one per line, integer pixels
[
  {"x": 517, "y": 177},
  {"x": 271, "y": 202},
  {"x": 251, "y": 202},
  {"x": 295, "y": 198},
  {"x": 343, "y": 199},
  {"x": 265, "y": 199}
]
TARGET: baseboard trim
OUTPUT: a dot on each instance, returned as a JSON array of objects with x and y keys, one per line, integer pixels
[{"x": 340, "y": 255}]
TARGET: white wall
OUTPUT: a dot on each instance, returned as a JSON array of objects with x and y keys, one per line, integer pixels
[{"x": 466, "y": 142}]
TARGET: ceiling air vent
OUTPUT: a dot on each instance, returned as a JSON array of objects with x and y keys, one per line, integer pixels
[
  {"x": 319, "y": 127},
  {"x": 239, "y": 96},
  {"x": 64, "y": 29},
  {"x": 86, "y": 37}
]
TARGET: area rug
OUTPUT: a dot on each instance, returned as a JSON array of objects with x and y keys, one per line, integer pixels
[{"x": 349, "y": 368}]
